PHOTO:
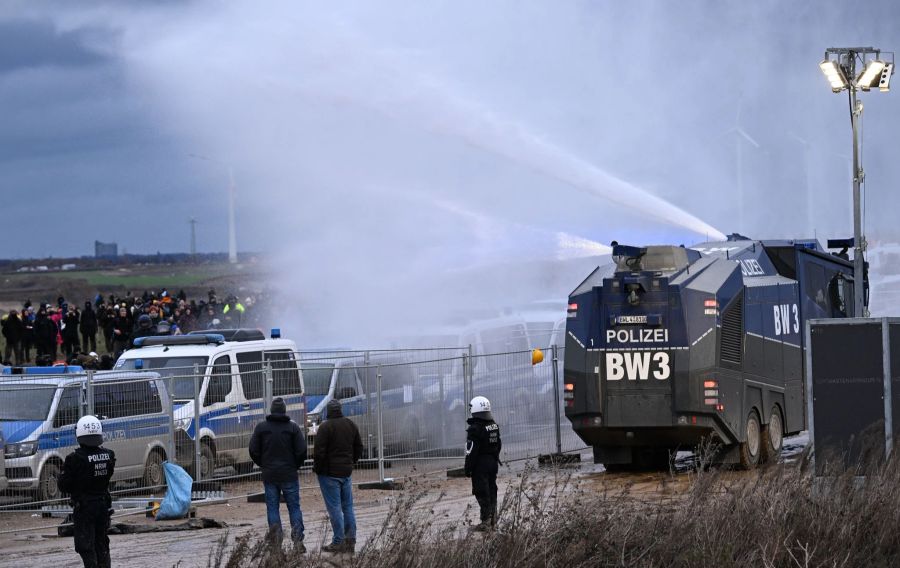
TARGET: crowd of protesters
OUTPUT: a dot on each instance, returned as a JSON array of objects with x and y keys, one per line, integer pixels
[{"x": 46, "y": 334}]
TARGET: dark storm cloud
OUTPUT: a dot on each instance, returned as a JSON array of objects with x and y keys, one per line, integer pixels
[
  {"x": 83, "y": 156},
  {"x": 27, "y": 43},
  {"x": 400, "y": 140}
]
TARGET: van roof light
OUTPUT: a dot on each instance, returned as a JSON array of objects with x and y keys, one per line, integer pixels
[
  {"x": 190, "y": 339},
  {"x": 245, "y": 334}
]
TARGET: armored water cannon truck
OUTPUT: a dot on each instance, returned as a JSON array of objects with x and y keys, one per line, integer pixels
[{"x": 670, "y": 346}]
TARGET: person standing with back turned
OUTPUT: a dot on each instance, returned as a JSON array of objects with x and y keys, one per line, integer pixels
[
  {"x": 483, "y": 459},
  {"x": 338, "y": 448},
  {"x": 278, "y": 447},
  {"x": 85, "y": 477}
]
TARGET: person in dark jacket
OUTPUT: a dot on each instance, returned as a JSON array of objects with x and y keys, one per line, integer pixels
[
  {"x": 144, "y": 328},
  {"x": 338, "y": 448},
  {"x": 483, "y": 459},
  {"x": 13, "y": 332},
  {"x": 278, "y": 447},
  {"x": 106, "y": 318},
  {"x": 122, "y": 326},
  {"x": 45, "y": 331},
  {"x": 88, "y": 328},
  {"x": 85, "y": 477},
  {"x": 69, "y": 330},
  {"x": 28, "y": 334}
]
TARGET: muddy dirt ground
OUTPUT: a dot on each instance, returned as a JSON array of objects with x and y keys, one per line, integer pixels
[
  {"x": 449, "y": 499},
  {"x": 27, "y": 539}
]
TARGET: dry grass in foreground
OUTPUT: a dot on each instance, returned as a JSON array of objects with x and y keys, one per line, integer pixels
[{"x": 778, "y": 516}]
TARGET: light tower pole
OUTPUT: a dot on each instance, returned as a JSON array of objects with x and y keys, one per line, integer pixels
[{"x": 839, "y": 68}]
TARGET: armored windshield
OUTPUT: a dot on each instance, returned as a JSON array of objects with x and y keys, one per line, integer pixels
[{"x": 656, "y": 259}]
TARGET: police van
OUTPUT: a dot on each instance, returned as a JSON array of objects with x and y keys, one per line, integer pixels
[
  {"x": 230, "y": 366},
  {"x": 502, "y": 368},
  {"x": 408, "y": 418},
  {"x": 38, "y": 416}
]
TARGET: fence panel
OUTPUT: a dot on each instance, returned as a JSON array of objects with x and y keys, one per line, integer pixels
[{"x": 205, "y": 413}]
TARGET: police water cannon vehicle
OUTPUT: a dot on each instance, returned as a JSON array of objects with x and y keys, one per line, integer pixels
[{"x": 670, "y": 346}]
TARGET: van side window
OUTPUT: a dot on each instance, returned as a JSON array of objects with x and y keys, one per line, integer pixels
[
  {"x": 67, "y": 409},
  {"x": 131, "y": 398},
  {"x": 394, "y": 375},
  {"x": 251, "y": 369},
  {"x": 346, "y": 383},
  {"x": 219, "y": 381},
  {"x": 285, "y": 374}
]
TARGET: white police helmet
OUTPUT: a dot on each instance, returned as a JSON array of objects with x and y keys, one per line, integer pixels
[
  {"x": 479, "y": 404},
  {"x": 89, "y": 431}
]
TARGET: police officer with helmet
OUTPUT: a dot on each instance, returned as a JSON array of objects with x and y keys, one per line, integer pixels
[
  {"x": 483, "y": 459},
  {"x": 85, "y": 477}
]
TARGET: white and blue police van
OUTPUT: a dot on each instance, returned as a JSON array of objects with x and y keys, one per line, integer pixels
[
  {"x": 230, "y": 366},
  {"x": 38, "y": 414},
  {"x": 409, "y": 418}
]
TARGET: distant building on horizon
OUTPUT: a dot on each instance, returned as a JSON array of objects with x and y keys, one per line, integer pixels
[{"x": 106, "y": 250}]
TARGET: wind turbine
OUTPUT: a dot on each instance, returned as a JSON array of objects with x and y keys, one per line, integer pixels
[
  {"x": 740, "y": 138},
  {"x": 193, "y": 224},
  {"x": 232, "y": 237}
]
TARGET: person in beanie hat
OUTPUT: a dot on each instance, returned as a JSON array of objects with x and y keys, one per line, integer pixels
[
  {"x": 338, "y": 448},
  {"x": 278, "y": 447}
]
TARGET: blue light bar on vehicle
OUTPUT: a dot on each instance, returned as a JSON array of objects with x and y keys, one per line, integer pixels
[
  {"x": 54, "y": 370},
  {"x": 203, "y": 339}
]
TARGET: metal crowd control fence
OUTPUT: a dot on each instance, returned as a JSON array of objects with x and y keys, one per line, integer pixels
[{"x": 410, "y": 406}]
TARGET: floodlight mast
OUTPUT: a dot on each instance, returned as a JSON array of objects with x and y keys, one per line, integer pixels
[{"x": 846, "y": 59}]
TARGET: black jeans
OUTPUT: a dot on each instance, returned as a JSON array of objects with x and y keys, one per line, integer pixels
[
  {"x": 13, "y": 348},
  {"x": 88, "y": 340},
  {"x": 91, "y": 521},
  {"x": 484, "y": 488}
]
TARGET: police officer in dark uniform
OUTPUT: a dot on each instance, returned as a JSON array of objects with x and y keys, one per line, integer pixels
[
  {"x": 483, "y": 459},
  {"x": 85, "y": 477}
]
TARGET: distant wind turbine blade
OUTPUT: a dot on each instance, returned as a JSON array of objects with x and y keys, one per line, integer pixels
[
  {"x": 747, "y": 137},
  {"x": 799, "y": 139}
]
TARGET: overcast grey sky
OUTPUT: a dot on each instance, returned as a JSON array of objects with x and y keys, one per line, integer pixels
[
  {"x": 389, "y": 142},
  {"x": 359, "y": 117}
]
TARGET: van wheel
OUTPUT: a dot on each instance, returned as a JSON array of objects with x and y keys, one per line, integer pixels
[
  {"x": 751, "y": 447},
  {"x": 207, "y": 462},
  {"x": 243, "y": 468},
  {"x": 48, "y": 482},
  {"x": 773, "y": 437},
  {"x": 154, "y": 476}
]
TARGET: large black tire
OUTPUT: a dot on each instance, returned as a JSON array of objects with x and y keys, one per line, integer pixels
[
  {"x": 154, "y": 476},
  {"x": 243, "y": 468},
  {"x": 773, "y": 437},
  {"x": 48, "y": 482},
  {"x": 751, "y": 448}
]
